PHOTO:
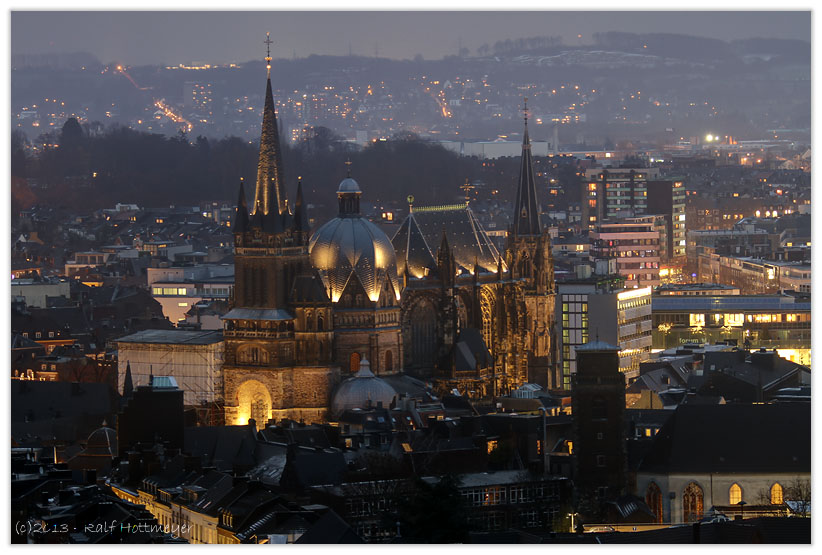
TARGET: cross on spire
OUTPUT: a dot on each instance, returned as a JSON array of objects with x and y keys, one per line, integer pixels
[
  {"x": 525, "y": 109},
  {"x": 267, "y": 43}
]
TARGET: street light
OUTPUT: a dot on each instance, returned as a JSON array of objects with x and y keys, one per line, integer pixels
[{"x": 741, "y": 510}]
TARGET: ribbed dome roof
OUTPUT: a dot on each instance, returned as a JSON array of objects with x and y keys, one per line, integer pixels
[
  {"x": 348, "y": 185},
  {"x": 353, "y": 245},
  {"x": 355, "y": 392}
]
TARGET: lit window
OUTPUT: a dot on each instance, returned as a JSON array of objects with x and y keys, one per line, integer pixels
[
  {"x": 735, "y": 494},
  {"x": 776, "y": 494}
]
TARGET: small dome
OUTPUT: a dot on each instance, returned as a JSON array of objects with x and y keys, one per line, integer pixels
[
  {"x": 357, "y": 391},
  {"x": 102, "y": 441},
  {"x": 348, "y": 185}
]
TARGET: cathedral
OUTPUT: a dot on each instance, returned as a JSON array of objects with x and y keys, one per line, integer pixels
[{"x": 438, "y": 302}]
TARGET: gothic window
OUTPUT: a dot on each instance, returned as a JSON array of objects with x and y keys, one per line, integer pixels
[
  {"x": 776, "y": 494},
  {"x": 735, "y": 494},
  {"x": 354, "y": 362},
  {"x": 320, "y": 323},
  {"x": 423, "y": 319},
  {"x": 692, "y": 499},
  {"x": 389, "y": 361},
  {"x": 653, "y": 497},
  {"x": 487, "y": 323},
  {"x": 309, "y": 321}
]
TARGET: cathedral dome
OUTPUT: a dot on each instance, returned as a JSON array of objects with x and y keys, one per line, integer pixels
[
  {"x": 357, "y": 391},
  {"x": 350, "y": 244}
]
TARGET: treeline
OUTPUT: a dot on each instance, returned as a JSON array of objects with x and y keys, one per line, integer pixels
[{"x": 78, "y": 168}]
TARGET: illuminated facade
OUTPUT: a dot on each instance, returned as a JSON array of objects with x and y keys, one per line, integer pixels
[
  {"x": 279, "y": 332},
  {"x": 358, "y": 268},
  {"x": 599, "y": 307},
  {"x": 614, "y": 193},
  {"x": 635, "y": 247},
  {"x": 475, "y": 319},
  {"x": 780, "y": 322}
]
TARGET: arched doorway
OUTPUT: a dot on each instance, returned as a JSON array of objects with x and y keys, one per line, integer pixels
[{"x": 253, "y": 401}]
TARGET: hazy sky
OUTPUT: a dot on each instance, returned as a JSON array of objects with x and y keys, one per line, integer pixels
[{"x": 175, "y": 37}]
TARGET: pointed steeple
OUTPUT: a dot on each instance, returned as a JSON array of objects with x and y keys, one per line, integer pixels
[
  {"x": 240, "y": 221},
  {"x": 300, "y": 213},
  {"x": 128, "y": 384},
  {"x": 270, "y": 183},
  {"x": 445, "y": 261},
  {"x": 526, "y": 209}
]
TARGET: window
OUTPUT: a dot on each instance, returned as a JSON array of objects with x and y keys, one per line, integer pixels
[
  {"x": 776, "y": 494},
  {"x": 354, "y": 362},
  {"x": 735, "y": 494},
  {"x": 601, "y": 460},
  {"x": 653, "y": 497},
  {"x": 692, "y": 499},
  {"x": 389, "y": 361}
]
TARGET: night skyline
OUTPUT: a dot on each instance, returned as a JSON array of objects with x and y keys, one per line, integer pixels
[{"x": 221, "y": 37}]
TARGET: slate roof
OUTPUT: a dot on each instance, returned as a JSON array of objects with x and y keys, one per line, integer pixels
[
  {"x": 466, "y": 236},
  {"x": 412, "y": 250},
  {"x": 733, "y": 438},
  {"x": 222, "y": 446},
  {"x": 330, "y": 528}
]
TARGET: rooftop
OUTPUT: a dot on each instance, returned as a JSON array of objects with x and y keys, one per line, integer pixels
[{"x": 176, "y": 337}]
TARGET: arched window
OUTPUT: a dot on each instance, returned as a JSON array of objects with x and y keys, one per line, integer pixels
[
  {"x": 355, "y": 362},
  {"x": 653, "y": 497},
  {"x": 692, "y": 503},
  {"x": 735, "y": 494},
  {"x": 776, "y": 494},
  {"x": 320, "y": 323},
  {"x": 389, "y": 361}
]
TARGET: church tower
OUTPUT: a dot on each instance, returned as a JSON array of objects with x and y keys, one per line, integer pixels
[
  {"x": 528, "y": 255},
  {"x": 279, "y": 332}
]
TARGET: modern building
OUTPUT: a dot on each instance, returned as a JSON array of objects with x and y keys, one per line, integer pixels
[
  {"x": 781, "y": 322},
  {"x": 36, "y": 292},
  {"x": 668, "y": 198},
  {"x": 614, "y": 193},
  {"x": 599, "y": 307},
  {"x": 634, "y": 246}
]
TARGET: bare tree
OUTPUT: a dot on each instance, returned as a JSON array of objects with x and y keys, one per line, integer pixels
[{"x": 798, "y": 496}]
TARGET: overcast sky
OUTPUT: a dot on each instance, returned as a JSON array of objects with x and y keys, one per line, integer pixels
[{"x": 139, "y": 38}]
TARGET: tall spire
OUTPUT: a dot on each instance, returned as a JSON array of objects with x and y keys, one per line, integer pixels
[
  {"x": 526, "y": 209},
  {"x": 300, "y": 216},
  {"x": 128, "y": 384},
  {"x": 270, "y": 184},
  {"x": 240, "y": 222}
]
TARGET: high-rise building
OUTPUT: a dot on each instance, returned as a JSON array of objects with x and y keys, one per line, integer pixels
[
  {"x": 599, "y": 307},
  {"x": 668, "y": 198},
  {"x": 634, "y": 244},
  {"x": 614, "y": 193}
]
